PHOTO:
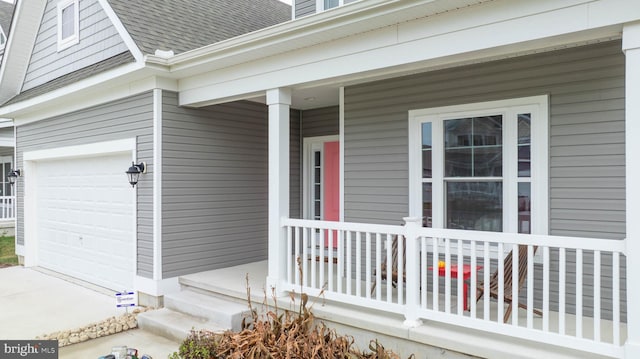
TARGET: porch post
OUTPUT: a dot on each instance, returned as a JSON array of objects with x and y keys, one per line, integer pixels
[
  {"x": 631, "y": 48},
  {"x": 279, "y": 101},
  {"x": 412, "y": 271}
]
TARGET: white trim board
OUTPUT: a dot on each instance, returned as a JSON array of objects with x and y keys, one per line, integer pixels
[
  {"x": 157, "y": 184},
  {"x": 87, "y": 150}
]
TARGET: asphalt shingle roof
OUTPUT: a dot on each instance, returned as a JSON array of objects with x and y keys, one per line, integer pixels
[
  {"x": 186, "y": 25},
  {"x": 6, "y": 13}
]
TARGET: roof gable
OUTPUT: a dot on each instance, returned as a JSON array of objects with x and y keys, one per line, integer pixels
[
  {"x": 180, "y": 26},
  {"x": 98, "y": 40}
]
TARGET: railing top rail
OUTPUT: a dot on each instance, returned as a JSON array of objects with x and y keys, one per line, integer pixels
[
  {"x": 606, "y": 245},
  {"x": 344, "y": 226}
]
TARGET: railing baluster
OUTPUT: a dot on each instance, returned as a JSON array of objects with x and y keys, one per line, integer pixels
[
  {"x": 340, "y": 254},
  {"x": 305, "y": 257},
  {"x": 562, "y": 285},
  {"x": 530, "y": 286},
  {"x": 423, "y": 272},
  {"x": 389, "y": 267},
  {"x": 596, "y": 295},
  {"x": 500, "y": 282},
  {"x": 486, "y": 282},
  {"x": 294, "y": 261},
  {"x": 401, "y": 269},
  {"x": 578, "y": 293},
  {"x": 435, "y": 286},
  {"x": 321, "y": 239},
  {"x": 314, "y": 262},
  {"x": 358, "y": 265},
  {"x": 368, "y": 264},
  {"x": 473, "y": 279},
  {"x": 545, "y": 289},
  {"x": 330, "y": 258},
  {"x": 615, "y": 275},
  {"x": 460, "y": 280},
  {"x": 515, "y": 275},
  {"x": 349, "y": 256},
  {"x": 378, "y": 278},
  {"x": 288, "y": 229},
  {"x": 447, "y": 276}
]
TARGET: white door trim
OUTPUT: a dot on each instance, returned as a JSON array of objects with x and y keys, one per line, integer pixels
[
  {"x": 308, "y": 144},
  {"x": 30, "y": 182}
]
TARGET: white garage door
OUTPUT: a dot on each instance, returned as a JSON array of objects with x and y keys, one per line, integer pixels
[{"x": 85, "y": 219}]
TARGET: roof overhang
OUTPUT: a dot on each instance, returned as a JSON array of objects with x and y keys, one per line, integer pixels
[{"x": 375, "y": 39}]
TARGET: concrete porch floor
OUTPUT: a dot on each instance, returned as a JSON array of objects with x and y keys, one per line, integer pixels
[{"x": 431, "y": 339}]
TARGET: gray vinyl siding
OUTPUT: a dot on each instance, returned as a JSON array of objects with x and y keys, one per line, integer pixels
[
  {"x": 99, "y": 40},
  {"x": 321, "y": 122},
  {"x": 126, "y": 118},
  {"x": 295, "y": 165},
  {"x": 304, "y": 7},
  {"x": 586, "y": 162},
  {"x": 6, "y": 151},
  {"x": 214, "y": 186}
]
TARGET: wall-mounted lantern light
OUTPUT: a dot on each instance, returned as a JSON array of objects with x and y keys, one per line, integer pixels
[
  {"x": 13, "y": 175},
  {"x": 134, "y": 172}
]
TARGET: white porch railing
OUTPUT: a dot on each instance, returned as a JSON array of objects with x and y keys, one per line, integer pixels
[
  {"x": 7, "y": 207},
  {"x": 577, "y": 283}
]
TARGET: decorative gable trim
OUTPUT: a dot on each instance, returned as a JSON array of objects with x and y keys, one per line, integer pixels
[
  {"x": 19, "y": 46},
  {"x": 124, "y": 34}
]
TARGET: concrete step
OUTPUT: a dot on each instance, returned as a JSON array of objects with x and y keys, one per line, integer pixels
[
  {"x": 221, "y": 312},
  {"x": 174, "y": 325}
]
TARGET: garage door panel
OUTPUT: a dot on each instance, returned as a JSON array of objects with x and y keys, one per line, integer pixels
[{"x": 85, "y": 219}]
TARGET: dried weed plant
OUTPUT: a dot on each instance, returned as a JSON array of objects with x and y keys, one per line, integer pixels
[{"x": 280, "y": 334}]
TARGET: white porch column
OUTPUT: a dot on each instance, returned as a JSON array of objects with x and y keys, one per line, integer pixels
[
  {"x": 279, "y": 101},
  {"x": 412, "y": 271},
  {"x": 631, "y": 48}
]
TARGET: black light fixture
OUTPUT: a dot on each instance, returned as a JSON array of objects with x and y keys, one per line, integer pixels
[
  {"x": 13, "y": 175},
  {"x": 134, "y": 172}
]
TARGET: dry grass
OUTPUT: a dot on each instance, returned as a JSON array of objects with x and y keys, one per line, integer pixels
[{"x": 279, "y": 334}]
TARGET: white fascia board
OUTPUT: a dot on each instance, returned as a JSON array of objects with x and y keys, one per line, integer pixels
[
  {"x": 124, "y": 34},
  {"x": 307, "y": 31},
  {"x": 17, "y": 51},
  {"x": 472, "y": 34}
]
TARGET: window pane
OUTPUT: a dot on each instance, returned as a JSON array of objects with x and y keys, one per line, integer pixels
[
  {"x": 328, "y": 4},
  {"x": 524, "y": 207},
  {"x": 427, "y": 204},
  {"x": 316, "y": 158},
  {"x": 458, "y": 162},
  {"x": 473, "y": 147},
  {"x": 474, "y": 205},
  {"x": 487, "y": 162},
  {"x": 68, "y": 23},
  {"x": 524, "y": 129},
  {"x": 426, "y": 150},
  {"x": 524, "y": 161},
  {"x": 487, "y": 131}
]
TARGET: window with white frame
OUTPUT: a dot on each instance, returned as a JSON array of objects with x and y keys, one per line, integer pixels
[
  {"x": 68, "y": 23},
  {"x": 481, "y": 166},
  {"x": 328, "y": 4}
]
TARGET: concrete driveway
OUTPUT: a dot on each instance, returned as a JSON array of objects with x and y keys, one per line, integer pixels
[{"x": 35, "y": 302}]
